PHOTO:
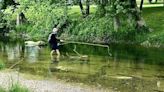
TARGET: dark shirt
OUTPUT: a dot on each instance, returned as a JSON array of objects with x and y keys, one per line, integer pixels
[{"x": 53, "y": 41}]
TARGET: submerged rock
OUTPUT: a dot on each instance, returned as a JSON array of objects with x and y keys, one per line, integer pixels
[
  {"x": 33, "y": 43},
  {"x": 79, "y": 57},
  {"x": 84, "y": 57},
  {"x": 122, "y": 77}
]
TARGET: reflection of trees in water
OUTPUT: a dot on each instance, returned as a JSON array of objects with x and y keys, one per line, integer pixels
[
  {"x": 13, "y": 52},
  {"x": 116, "y": 60},
  {"x": 128, "y": 63},
  {"x": 32, "y": 53},
  {"x": 2, "y": 51},
  {"x": 22, "y": 50}
]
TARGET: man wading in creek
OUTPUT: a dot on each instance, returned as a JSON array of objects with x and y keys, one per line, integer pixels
[{"x": 53, "y": 41}]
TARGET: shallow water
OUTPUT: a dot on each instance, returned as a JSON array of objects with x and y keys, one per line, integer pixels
[{"x": 130, "y": 68}]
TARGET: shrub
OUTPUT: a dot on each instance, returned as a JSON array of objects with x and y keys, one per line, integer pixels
[
  {"x": 2, "y": 65},
  {"x": 18, "y": 88}
]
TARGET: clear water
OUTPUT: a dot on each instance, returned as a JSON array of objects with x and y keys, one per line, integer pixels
[{"x": 130, "y": 68}]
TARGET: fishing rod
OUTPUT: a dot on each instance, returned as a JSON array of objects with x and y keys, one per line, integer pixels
[{"x": 85, "y": 43}]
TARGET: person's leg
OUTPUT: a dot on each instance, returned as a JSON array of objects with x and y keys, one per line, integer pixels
[
  {"x": 52, "y": 54},
  {"x": 58, "y": 58},
  {"x": 55, "y": 55},
  {"x": 58, "y": 52}
]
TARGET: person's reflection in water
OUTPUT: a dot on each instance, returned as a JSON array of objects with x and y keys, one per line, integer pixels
[
  {"x": 55, "y": 58},
  {"x": 53, "y": 65}
]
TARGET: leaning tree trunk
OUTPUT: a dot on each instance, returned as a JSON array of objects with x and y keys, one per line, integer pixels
[{"x": 137, "y": 19}]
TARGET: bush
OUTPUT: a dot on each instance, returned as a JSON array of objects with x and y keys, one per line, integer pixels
[
  {"x": 90, "y": 29},
  {"x": 2, "y": 65},
  {"x": 100, "y": 30},
  {"x": 15, "y": 88},
  {"x": 18, "y": 88},
  {"x": 40, "y": 17}
]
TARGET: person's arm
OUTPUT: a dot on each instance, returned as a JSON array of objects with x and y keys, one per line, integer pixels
[
  {"x": 49, "y": 37},
  {"x": 59, "y": 40}
]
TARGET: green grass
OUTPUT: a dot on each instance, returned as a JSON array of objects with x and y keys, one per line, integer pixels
[
  {"x": 152, "y": 13},
  {"x": 146, "y": 2},
  {"x": 74, "y": 11},
  {"x": 15, "y": 88},
  {"x": 154, "y": 17},
  {"x": 2, "y": 65}
]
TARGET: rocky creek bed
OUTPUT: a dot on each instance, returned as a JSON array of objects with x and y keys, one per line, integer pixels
[{"x": 44, "y": 85}]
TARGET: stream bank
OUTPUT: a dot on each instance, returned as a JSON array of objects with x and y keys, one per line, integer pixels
[{"x": 43, "y": 85}]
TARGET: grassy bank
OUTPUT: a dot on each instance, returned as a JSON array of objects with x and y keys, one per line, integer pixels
[
  {"x": 155, "y": 20},
  {"x": 95, "y": 29}
]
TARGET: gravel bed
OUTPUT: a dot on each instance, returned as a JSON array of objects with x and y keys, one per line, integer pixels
[{"x": 8, "y": 78}]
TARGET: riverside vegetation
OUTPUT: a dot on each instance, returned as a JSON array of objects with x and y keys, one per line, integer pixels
[{"x": 105, "y": 22}]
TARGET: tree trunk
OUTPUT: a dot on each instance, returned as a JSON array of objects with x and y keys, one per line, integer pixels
[
  {"x": 81, "y": 7},
  {"x": 139, "y": 21},
  {"x": 18, "y": 20},
  {"x": 87, "y": 7},
  {"x": 116, "y": 22},
  {"x": 141, "y": 4},
  {"x": 133, "y": 3}
]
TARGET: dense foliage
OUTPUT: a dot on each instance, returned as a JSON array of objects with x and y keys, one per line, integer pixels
[
  {"x": 100, "y": 26},
  {"x": 155, "y": 20},
  {"x": 102, "y": 22},
  {"x": 40, "y": 17}
]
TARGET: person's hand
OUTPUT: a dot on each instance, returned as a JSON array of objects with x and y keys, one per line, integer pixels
[{"x": 61, "y": 40}]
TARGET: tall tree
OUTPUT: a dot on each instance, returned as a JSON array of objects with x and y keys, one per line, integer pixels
[
  {"x": 101, "y": 4},
  {"x": 141, "y": 4},
  {"x": 122, "y": 8},
  {"x": 87, "y": 7},
  {"x": 81, "y": 7},
  {"x": 5, "y": 3},
  {"x": 84, "y": 12},
  {"x": 136, "y": 14}
]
